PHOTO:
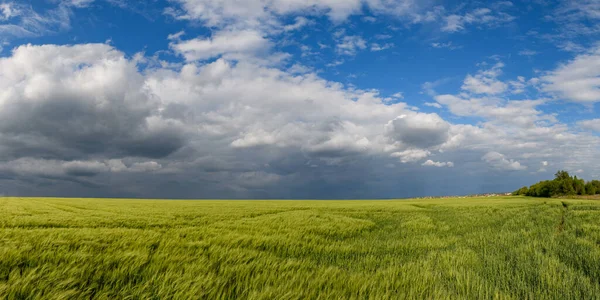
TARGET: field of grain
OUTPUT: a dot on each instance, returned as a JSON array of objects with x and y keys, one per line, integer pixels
[{"x": 500, "y": 247}]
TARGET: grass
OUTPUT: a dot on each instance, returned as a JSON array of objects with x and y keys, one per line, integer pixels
[
  {"x": 501, "y": 247},
  {"x": 586, "y": 197}
]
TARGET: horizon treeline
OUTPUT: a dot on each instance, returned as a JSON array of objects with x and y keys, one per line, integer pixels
[{"x": 562, "y": 185}]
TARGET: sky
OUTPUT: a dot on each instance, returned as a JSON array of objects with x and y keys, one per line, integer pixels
[{"x": 295, "y": 99}]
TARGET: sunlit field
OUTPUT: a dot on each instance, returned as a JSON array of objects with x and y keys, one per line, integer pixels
[{"x": 498, "y": 247}]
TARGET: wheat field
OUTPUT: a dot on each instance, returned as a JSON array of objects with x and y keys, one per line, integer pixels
[{"x": 471, "y": 248}]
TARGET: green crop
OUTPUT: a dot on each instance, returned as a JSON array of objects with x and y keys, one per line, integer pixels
[{"x": 473, "y": 248}]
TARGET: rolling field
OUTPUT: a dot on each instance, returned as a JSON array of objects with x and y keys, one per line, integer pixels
[{"x": 502, "y": 247}]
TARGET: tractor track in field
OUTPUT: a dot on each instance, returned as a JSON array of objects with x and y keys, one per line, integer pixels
[{"x": 563, "y": 216}]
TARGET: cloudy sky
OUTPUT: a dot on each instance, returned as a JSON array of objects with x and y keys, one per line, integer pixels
[{"x": 295, "y": 98}]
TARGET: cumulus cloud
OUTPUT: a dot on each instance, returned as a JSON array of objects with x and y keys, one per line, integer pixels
[
  {"x": 231, "y": 44},
  {"x": 485, "y": 101},
  {"x": 433, "y": 104},
  {"x": 299, "y": 23},
  {"x": 523, "y": 113},
  {"x": 419, "y": 130},
  {"x": 81, "y": 112},
  {"x": 431, "y": 163},
  {"x": 411, "y": 155},
  {"x": 29, "y": 166},
  {"x": 543, "y": 167},
  {"x": 232, "y": 127},
  {"x": 500, "y": 162},
  {"x": 258, "y": 13},
  {"x": 144, "y": 166},
  {"x": 578, "y": 80},
  {"x": 350, "y": 45},
  {"x": 72, "y": 101},
  {"x": 593, "y": 125},
  {"x": 486, "y": 81}
]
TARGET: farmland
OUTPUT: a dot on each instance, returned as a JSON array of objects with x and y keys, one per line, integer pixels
[{"x": 496, "y": 247}]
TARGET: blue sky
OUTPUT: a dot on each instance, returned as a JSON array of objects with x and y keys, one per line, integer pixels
[{"x": 295, "y": 99}]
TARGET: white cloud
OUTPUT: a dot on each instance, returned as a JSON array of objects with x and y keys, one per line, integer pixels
[
  {"x": 252, "y": 12},
  {"x": 453, "y": 23},
  {"x": 543, "y": 167},
  {"x": 411, "y": 155},
  {"x": 63, "y": 169},
  {"x": 588, "y": 9},
  {"x": 379, "y": 47},
  {"x": 518, "y": 129},
  {"x": 431, "y": 163},
  {"x": 578, "y": 80},
  {"x": 350, "y": 45},
  {"x": 335, "y": 63},
  {"x": 232, "y": 44},
  {"x": 259, "y": 13},
  {"x": 148, "y": 166},
  {"x": 81, "y": 3},
  {"x": 570, "y": 46},
  {"x": 176, "y": 36},
  {"x": 518, "y": 86},
  {"x": 26, "y": 22},
  {"x": 593, "y": 125},
  {"x": 486, "y": 81},
  {"x": 480, "y": 16},
  {"x": 521, "y": 113},
  {"x": 8, "y": 10},
  {"x": 500, "y": 162},
  {"x": 254, "y": 138},
  {"x": 398, "y": 95},
  {"x": 433, "y": 104},
  {"x": 576, "y": 25},
  {"x": 300, "y": 22}
]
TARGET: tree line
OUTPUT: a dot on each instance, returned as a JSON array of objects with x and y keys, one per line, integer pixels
[{"x": 562, "y": 185}]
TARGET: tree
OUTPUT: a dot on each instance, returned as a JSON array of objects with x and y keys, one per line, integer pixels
[
  {"x": 562, "y": 185},
  {"x": 590, "y": 188},
  {"x": 579, "y": 186},
  {"x": 562, "y": 175},
  {"x": 565, "y": 186},
  {"x": 596, "y": 184},
  {"x": 522, "y": 191}
]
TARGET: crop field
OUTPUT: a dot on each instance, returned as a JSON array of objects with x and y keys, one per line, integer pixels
[{"x": 498, "y": 247}]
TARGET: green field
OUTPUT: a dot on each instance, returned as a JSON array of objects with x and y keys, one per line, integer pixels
[{"x": 501, "y": 247}]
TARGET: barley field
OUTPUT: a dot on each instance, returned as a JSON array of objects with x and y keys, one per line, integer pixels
[{"x": 471, "y": 248}]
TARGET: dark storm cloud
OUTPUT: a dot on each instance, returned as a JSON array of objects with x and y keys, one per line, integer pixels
[
  {"x": 82, "y": 109},
  {"x": 419, "y": 130}
]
